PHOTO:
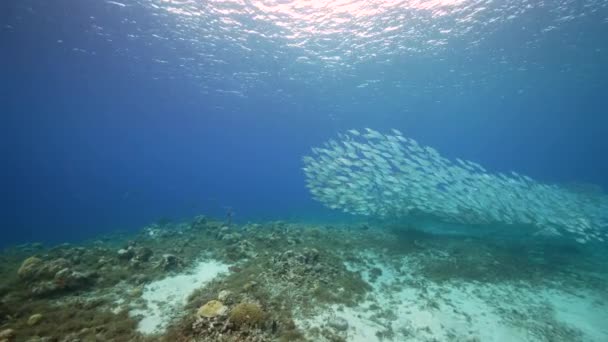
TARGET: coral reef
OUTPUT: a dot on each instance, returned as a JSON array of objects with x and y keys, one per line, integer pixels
[{"x": 281, "y": 277}]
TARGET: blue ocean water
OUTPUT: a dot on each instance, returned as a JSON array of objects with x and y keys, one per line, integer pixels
[{"x": 116, "y": 114}]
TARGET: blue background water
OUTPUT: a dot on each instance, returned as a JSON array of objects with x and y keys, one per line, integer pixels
[{"x": 117, "y": 114}]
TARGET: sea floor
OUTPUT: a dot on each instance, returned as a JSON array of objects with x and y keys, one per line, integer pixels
[{"x": 205, "y": 280}]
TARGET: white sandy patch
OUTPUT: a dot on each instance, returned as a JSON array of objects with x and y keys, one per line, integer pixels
[
  {"x": 582, "y": 313},
  {"x": 164, "y": 298},
  {"x": 404, "y": 307}
]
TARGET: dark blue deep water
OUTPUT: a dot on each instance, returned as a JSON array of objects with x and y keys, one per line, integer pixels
[{"x": 115, "y": 114}]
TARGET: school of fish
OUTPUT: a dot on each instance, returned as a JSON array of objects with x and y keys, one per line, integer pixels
[{"x": 382, "y": 176}]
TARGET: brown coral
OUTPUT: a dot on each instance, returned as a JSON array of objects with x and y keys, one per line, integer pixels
[{"x": 250, "y": 314}]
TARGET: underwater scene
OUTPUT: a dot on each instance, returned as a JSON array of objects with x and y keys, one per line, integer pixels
[{"x": 304, "y": 170}]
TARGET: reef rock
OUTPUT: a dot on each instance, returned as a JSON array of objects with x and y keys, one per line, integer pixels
[
  {"x": 7, "y": 335},
  {"x": 68, "y": 338},
  {"x": 200, "y": 221},
  {"x": 224, "y": 296},
  {"x": 29, "y": 268},
  {"x": 142, "y": 254},
  {"x": 137, "y": 254},
  {"x": 292, "y": 265},
  {"x": 34, "y": 269},
  {"x": 170, "y": 262},
  {"x": 67, "y": 278},
  {"x": 338, "y": 323},
  {"x": 125, "y": 253},
  {"x": 44, "y": 277}
]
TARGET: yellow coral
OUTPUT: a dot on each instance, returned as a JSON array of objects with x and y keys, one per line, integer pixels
[
  {"x": 247, "y": 314},
  {"x": 211, "y": 309}
]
